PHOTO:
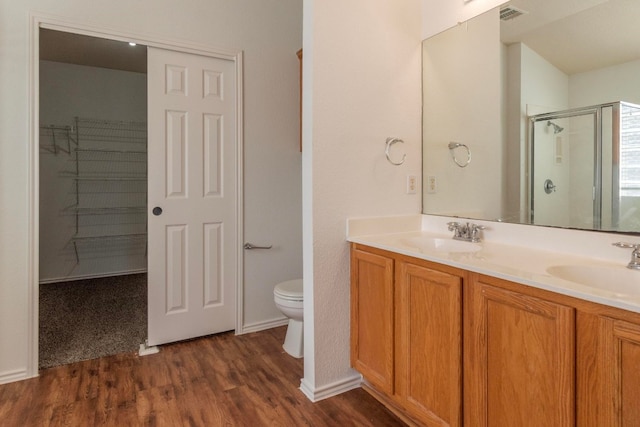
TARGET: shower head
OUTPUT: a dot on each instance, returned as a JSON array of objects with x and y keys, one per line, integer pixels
[{"x": 556, "y": 128}]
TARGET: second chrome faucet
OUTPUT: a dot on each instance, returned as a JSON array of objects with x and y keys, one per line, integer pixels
[{"x": 467, "y": 232}]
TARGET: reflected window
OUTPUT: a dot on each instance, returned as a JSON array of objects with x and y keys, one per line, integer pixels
[{"x": 630, "y": 151}]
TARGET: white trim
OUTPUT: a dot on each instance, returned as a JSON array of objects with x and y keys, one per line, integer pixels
[
  {"x": 92, "y": 276},
  {"x": 332, "y": 389},
  {"x": 11, "y": 376},
  {"x": 261, "y": 326},
  {"x": 38, "y": 21},
  {"x": 57, "y": 23},
  {"x": 33, "y": 212},
  {"x": 239, "y": 58}
]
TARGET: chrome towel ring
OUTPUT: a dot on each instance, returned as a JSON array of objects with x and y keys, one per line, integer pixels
[
  {"x": 452, "y": 147},
  {"x": 390, "y": 141}
]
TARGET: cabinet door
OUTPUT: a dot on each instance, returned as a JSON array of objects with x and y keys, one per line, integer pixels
[
  {"x": 429, "y": 344},
  {"x": 609, "y": 372},
  {"x": 519, "y": 359},
  {"x": 372, "y": 323}
]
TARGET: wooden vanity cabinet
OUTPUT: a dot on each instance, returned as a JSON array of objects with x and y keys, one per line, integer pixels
[
  {"x": 406, "y": 334},
  {"x": 372, "y": 318},
  {"x": 608, "y": 367},
  {"x": 442, "y": 346},
  {"x": 534, "y": 357},
  {"x": 519, "y": 357},
  {"x": 429, "y": 342}
]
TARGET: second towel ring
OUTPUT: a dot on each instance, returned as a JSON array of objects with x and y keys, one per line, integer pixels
[
  {"x": 390, "y": 141},
  {"x": 452, "y": 147}
]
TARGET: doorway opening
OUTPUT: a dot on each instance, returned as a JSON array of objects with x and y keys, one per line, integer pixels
[{"x": 92, "y": 197}]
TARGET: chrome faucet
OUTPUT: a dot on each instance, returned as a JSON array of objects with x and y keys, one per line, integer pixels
[
  {"x": 634, "y": 264},
  {"x": 468, "y": 232}
]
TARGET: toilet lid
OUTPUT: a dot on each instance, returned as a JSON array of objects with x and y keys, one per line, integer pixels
[{"x": 289, "y": 289}]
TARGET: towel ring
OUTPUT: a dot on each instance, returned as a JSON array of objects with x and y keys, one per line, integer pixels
[
  {"x": 390, "y": 141},
  {"x": 452, "y": 147}
]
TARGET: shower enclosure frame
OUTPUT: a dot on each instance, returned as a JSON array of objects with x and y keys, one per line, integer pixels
[{"x": 597, "y": 112}]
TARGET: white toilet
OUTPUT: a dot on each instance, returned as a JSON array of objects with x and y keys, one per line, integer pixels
[{"x": 288, "y": 298}]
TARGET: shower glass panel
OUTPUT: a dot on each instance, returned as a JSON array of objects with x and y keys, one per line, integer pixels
[
  {"x": 563, "y": 173},
  {"x": 585, "y": 167}
]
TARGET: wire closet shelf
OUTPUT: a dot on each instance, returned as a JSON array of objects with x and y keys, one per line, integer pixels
[{"x": 109, "y": 186}]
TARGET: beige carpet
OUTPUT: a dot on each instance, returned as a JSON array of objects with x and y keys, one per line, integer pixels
[{"x": 87, "y": 319}]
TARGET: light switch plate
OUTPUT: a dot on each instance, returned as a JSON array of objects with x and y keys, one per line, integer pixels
[
  {"x": 432, "y": 184},
  {"x": 412, "y": 184}
]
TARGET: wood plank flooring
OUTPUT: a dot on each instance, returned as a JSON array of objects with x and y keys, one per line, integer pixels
[{"x": 221, "y": 380}]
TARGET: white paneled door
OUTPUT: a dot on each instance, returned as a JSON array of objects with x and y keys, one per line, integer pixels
[{"x": 192, "y": 195}]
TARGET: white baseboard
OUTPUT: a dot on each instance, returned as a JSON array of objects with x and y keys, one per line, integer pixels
[
  {"x": 11, "y": 376},
  {"x": 91, "y": 276},
  {"x": 261, "y": 326},
  {"x": 330, "y": 390}
]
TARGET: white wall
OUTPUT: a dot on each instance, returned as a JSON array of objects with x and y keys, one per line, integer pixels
[
  {"x": 361, "y": 85},
  {"x": 269, "y": 33},
  {"x": 67, "y": 91},
  {"x": 544, "y": 87},
  {"x": 610, "y": 84}
]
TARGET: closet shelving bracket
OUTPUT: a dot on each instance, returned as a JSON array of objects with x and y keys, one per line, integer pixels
[
  {"x": 57, "y": 139},
  {"x": 109, "y": 181}
]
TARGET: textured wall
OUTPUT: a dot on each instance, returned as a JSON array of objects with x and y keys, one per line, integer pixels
[{"x": 362, "y": 85}]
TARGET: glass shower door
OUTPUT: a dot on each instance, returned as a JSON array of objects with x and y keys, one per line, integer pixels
[{"x": 565, "y": 169}]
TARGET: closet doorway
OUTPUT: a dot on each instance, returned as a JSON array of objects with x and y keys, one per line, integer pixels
[
  {"x": 192, "y": 195},
  {"x": 92, "y": 197}
]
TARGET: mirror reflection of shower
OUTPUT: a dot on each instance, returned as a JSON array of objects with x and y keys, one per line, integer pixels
[
  {"x": 556, "y": 128},
  {"x": 593, "y": 165}
]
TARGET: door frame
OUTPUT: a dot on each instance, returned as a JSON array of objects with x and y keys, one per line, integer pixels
[{"x": 38, "y": 21}]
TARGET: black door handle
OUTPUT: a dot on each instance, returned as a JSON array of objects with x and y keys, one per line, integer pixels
[{"x": 157, "y": 211}]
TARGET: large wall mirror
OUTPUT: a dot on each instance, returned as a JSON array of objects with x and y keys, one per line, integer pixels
[{"x": 531, "y": 114}]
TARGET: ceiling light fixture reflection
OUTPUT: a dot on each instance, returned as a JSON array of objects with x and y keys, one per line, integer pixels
[{"x": 132, "y": 44}]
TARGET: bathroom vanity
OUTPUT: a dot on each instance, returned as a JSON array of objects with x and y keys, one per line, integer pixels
[{"x": 456, "y": 333}]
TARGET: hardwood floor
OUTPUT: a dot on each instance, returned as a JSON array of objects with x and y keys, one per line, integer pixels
[{"x": 222, "y": 380}]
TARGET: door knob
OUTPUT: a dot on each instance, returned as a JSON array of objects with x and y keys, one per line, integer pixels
[
  {"x": 157, "y": 211},
  {"x": 549, "y": 186}
]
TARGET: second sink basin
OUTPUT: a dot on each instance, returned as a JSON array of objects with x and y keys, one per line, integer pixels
[
  {"x": 431, "y": 244},
  {"x": 620, "y": 281}
]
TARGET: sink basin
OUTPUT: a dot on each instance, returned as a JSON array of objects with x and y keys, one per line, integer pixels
[
  {"x": 620, "y": 281},
  {"x": 430, "y": 244}
]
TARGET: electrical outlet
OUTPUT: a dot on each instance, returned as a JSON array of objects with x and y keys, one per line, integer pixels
[
  {"x": 412, "y": 184},
  {"x": 432, "y": 184}
]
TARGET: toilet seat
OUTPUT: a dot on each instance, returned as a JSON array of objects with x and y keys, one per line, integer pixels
[
  {"x": 288, "y": 298},
  {"x": 290, "y": 290}
]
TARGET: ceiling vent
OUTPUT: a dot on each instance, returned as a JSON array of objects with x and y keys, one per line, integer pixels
[{"x": 510, "y": 12}]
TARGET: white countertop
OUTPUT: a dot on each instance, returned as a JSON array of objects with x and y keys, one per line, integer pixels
[{"x": 520, "y": 264}]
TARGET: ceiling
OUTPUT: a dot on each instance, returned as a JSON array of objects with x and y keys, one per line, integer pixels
[
  {"x": 77, "y": 49},
  {"x": 577, "y": 35}
]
